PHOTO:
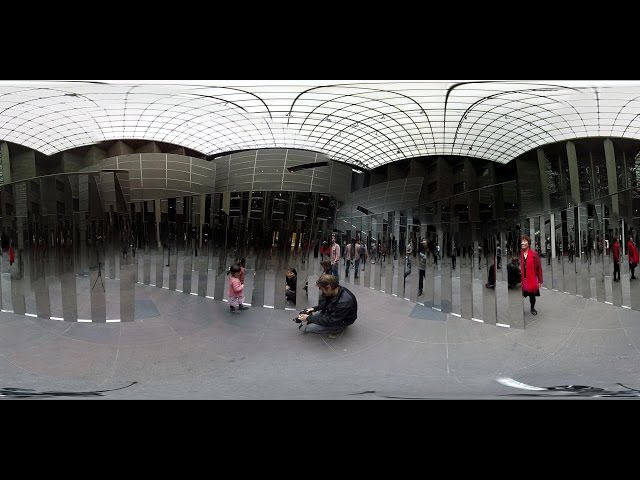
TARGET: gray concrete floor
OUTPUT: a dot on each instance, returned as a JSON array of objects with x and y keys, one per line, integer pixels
[{"x": 190, "y": 347}]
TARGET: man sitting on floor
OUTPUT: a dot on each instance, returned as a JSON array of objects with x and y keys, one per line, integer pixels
[{"x": 338, "y": 311}]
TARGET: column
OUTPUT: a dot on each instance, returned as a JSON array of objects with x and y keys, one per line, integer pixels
[{"x": 573, "y": 173}]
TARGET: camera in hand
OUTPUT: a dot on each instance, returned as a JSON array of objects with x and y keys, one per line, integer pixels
[{"x": 302, "y": 312}]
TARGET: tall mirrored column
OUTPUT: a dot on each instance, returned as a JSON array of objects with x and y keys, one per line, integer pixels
[
  {"x": 598, "y": 265},
  {"x": 464, "y": 261},
  {"x": 376, "y": 251},
  {"x": 559, "y": 249},
  {"x": 413, "y": 228},
  {"x": 446, "y": 292},
  {"x": 569, "y": 245},
  {"x": 584, "y": 250},
  {"x": 389, "y": 244},
  {"x": 486, "y": 236},
  {"x": 606, "y": 239},
  {"x": 616, "y": 254}
]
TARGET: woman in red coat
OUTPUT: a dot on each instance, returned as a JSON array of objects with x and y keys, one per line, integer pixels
[
  {"x": 615, "y": 250},
  {"x": 530, "y": 272},
  {"x": 632, "y": 252}
]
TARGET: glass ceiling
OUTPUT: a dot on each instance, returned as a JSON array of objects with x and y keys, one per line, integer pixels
[{"x": 363, "y": 123}]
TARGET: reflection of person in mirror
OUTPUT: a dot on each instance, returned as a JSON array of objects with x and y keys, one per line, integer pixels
[
  {"x": 422, "y": 264},
  {"x": 491, "y": 280},
  {"x": 347, "y": 258},
  {"x": 632, "y": 252},
  {"x": 531, "y": 276},
  {"x": 454, "y": 254},
  {"x": 291, "y": 283},
  {"x": 99, "y": 245},
  {"x": 242, "y": 265},
  {"x": 615, "y": 250},
  {"x": 513, "y": 273},
  {"x": 572, "y": 249},
  {"x": 335, "y": 256},
  {"x": 407, "y": 260}
]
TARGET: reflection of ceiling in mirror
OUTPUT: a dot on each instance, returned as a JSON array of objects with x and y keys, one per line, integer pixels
[{"x": 363, "y": 123}]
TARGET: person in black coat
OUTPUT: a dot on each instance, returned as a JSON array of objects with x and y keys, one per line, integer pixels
[
  {"x": 291, "y": 285},
  {"x": 338, "y": 312},
  {"x": 513, "y": 273}
]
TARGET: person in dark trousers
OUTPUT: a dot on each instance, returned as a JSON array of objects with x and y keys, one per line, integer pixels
[
  {"x": 572, "y": 249},
  {"x": 548, "y": 251},
  {"x": 491, "y": 281},
  {"x": 615, "y": 250},
  {"x": 513, "y": 273},
  {"x": 347, "y": 259},
  {"x": 407, "y": 261},
  {"x": 339, "y": 311},
  {"x": 422, "y": 262},
  {"x": 454, "y": 255},
  {"x": 531, "y": 275},
  {"x": 632, "y": 252},
  {"x": 362, "y": 253},
  {"x": 356, "y": 253}
]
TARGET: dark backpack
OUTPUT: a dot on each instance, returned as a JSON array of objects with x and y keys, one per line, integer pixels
[{"x": 363, "y": 250}]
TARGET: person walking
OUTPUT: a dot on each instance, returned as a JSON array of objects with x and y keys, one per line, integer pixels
[
  {"x": 454, "y": 255},
  {"x": 347, "y": 259},
  {"x": 531, "y": 278},
  {"x": 422, "y": 259},
  {"x": 615, "y": 250},
  {"x": 356, "y": 254},
  {"x": 632, "y": 252},
  {"x": 335, "y": 257}
]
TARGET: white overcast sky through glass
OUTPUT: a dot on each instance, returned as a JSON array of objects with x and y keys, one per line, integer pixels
[{"x": 366, "y": 123}]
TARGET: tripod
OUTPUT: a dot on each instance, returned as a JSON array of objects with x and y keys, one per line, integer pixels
[{"x": 99, "y": 277}]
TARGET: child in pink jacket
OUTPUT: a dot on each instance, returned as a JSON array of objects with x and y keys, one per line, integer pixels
[{"x": 235, "y": 292}]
